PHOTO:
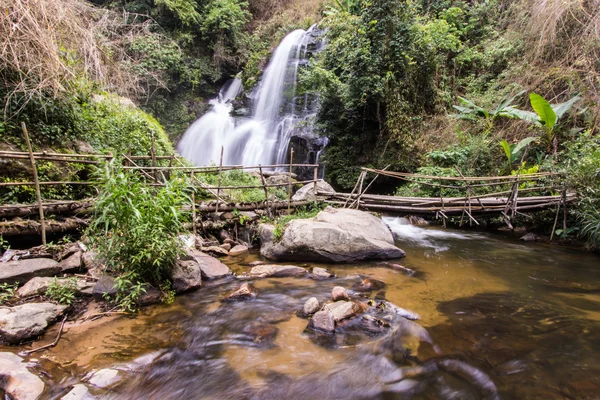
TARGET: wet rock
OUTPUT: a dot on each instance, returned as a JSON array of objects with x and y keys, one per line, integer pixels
[
  {"x": 307, "y": 191},
  {"x": 530, "y": 237},
  {"x": 238, "y": 250},
  {"x": 255, "y": 263},
  {"x": 319, "y": 273},
  {"x": 151, "y": 296},
  {"x": 230, "y": 241},
  {"x": 373, "y": 324},
  {"x": 311, "y": 306},
  {"x": 16, "y": 380},
  {"x": 386, "y": 305},
  {"x": 186, "y": 276},
  {"x": 274, "y": 315},
  {"x": 226, "y": 246},
  {"x": 277, "y": 271},
  {"x": 262, "y": 333},
  {"x": 401, "y": 268},
  {"x": 91, "y": 260},
  {"x": 38, "y": 286},
  {"x": 28, "y": 320},
  {"x": 79, "y": 392},
  {"x": 210, "y": 267},
  {"x": 104, "y": 378},
  {"x": 244, "y": 292},
  {"x": 105, "y": 287},
  {"x": 23, "y": 270},
  {"x": 334, "y": 235},
  {"x": 339, "y": 293},
  {"x": 322, "y": 321},
  {"x": 188, "y": 241},
  {"x": 280, "y": 179},
  {"x": 215, "y": 251},
  {"x": 342, "y": 310},
  {"x": 73, "y": 263},
  {"x": 368, "y": 285}
]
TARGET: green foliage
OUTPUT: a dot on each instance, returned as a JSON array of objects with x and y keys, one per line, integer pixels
[
  {"x": 111, "y": 126},
  {"x": 4, "y": 245},
  {"x": 62, "y": 291},
  {"x": 512, "y": 151},
  {"x": 184, "y": 10},
  {"x": 241, "y": 178},
  {"x": 581, "y": 167},
  {"x": 135, "y": 226},
  {"x": 8, "y": 291},
  {"x": 129, "y": 290}
]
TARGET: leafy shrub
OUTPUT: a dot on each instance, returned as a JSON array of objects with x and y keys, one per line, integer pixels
[
  {"x": 135, "y": 226},
  {"x": 7, "y": 291},
  {"x": 62, "y": 291},
  {"x": 241, "y": 178}
]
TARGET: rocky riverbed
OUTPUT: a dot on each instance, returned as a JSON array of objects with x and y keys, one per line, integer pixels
[{"x": 464, "y": 315}]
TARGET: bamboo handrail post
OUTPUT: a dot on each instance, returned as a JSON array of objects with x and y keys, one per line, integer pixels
[
  {"x": 315, "y": 178},
  {"x": 262, "y": 178},
  {"x": 290, "y": 180},
  {"x": 36, "y": 181},
  {"x": 153, "y": 155},
  {"x": 193, "y": 206},
  {"x": 353, "y": 189},
  {"x": 219, "y": 181},
  {"x": 360, "y": 188}
]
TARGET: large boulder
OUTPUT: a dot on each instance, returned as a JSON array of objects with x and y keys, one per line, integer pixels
[
  {"x": 28, "y": 320},
  {"x": 307, "y": 192},
  {"x": 334, "y": 235},
  {"x": 16, "y": 380},
  {"x": 186, "y": 276},
  {"x": 23, "y": 270}
]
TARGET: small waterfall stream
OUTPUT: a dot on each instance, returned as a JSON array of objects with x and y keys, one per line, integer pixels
[{"x": 264, "y": 137}]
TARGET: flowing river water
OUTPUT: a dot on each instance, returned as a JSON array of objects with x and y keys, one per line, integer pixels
[{"x": 501, "y": 318}]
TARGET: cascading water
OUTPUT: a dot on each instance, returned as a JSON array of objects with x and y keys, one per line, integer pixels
[{"x": 265, "y": 136}]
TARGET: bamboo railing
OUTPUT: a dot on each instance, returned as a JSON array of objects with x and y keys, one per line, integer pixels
[
  {"x": 155, "y": 174},
  {"x": 505, "y": 203}
]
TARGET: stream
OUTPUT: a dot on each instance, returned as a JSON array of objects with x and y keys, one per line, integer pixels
[{"x": 501, "y": 318}]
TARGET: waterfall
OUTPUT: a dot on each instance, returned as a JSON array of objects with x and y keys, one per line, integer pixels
[{"x": 265, "y": 136}]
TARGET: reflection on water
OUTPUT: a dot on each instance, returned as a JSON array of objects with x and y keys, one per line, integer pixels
[{"x": 499, "y": 319}]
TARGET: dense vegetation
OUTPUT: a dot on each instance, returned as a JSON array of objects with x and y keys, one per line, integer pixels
[
  {"x": 431, "y": 86},
  {"x": 443, "y": 87}
]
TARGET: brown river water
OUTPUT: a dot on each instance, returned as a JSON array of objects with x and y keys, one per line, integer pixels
[{"x": 502, "y": 320}]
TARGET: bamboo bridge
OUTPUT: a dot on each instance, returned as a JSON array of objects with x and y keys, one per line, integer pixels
[{"x": 499, "y": 196}]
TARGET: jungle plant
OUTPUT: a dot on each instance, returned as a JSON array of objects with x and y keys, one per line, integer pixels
[
  {"x": 546, "y": 116},
  {"x": 512, "y": 151},
  {"x": 62, "y": 291},
  {"x": 471, "y": 112},
  {"x": 135, "y": 226}
]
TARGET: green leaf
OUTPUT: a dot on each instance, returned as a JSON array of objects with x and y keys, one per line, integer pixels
[
  {"x": 522, "y": 144},
  {"x": 544, "y": 110},
  {"x": 527, "y": 116},
  {"x": 506, "y": 103},
  {"x": 562, "y": 108},
  {"x": 507, "y": 150}
]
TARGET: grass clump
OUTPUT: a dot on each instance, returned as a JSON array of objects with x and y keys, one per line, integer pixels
[
  {"x": 62, "y": 291},
  {"x": 241, "y": 178},
  {"x": 308, "y": 211},
  {"x": 8, "y": 291}
]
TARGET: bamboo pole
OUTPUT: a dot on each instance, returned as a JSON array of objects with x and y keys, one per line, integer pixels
[
  {"x": 290, "y": 180},
  {"x": 49, "y": 158},
  {"x": 4, "y": 153},
  {"x": 193, "y": 208},
  {"x": 354, "y": 188},
  {"x": 262, "y": 178},
  {"x": 219, "y": 182},
  {"x": 142, "y": 171},
  {"x": 360, "y": 188},
  {"x": 153, "y": 154},
  {"x": 315, "y": 178},
  {"x": 36, "y": 182}
]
